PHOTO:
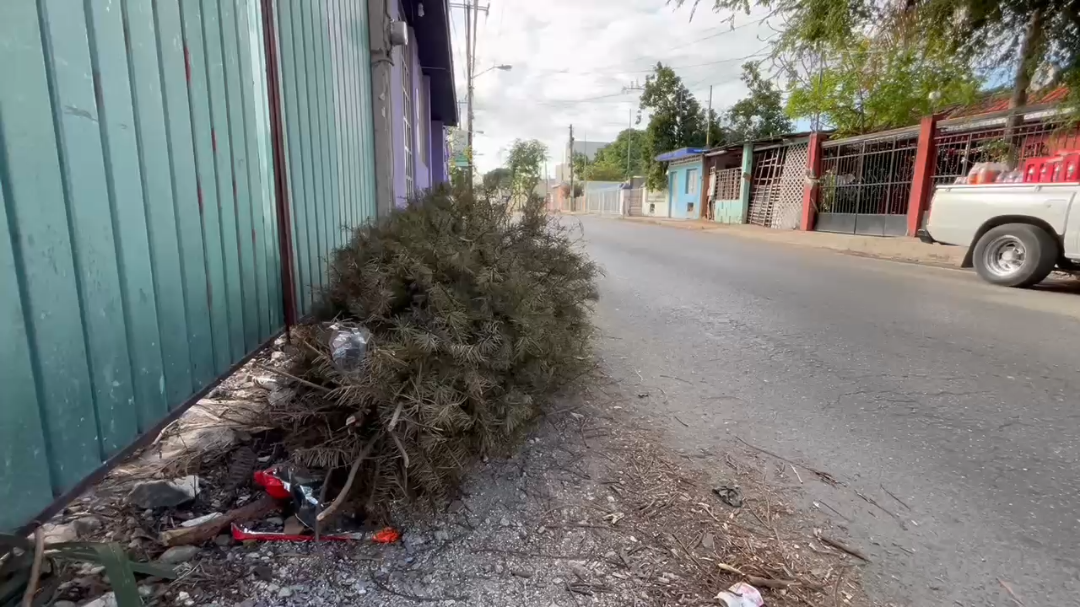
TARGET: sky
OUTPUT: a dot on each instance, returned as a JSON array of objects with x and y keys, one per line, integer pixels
[{"x": 571, "y": 60}]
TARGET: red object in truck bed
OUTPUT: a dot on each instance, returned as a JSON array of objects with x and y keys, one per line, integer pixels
[{"x": 1062, "y": 168}]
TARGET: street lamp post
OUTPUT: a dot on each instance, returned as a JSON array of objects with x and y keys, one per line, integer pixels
[{"x": 502, "y": 67}]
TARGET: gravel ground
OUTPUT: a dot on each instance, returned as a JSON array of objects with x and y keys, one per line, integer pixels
[
  {"x": 597, "y": 508},
  {"x": 592, "y": 511}
]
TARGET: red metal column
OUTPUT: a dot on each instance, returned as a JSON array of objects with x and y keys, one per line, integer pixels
[
  {"x": 810, "y": 190},
  {"x": 281, "y": 182},
  {"x": 922, "y": 182}
]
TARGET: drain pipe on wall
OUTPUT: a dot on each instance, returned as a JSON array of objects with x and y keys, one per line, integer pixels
[{"x": 379, "y": 25}]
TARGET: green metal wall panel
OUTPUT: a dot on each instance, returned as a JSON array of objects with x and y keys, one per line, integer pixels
[
  {"x": 138, "y": 233},
  {"x": 120, "y": 152},
  {"x": 326, "y": 90},
  {"x": 226, "y": 196},
  {"x": 202, "y": 133}
]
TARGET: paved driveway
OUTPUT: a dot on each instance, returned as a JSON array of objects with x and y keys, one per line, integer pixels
[{"x": 960, "y": 398}]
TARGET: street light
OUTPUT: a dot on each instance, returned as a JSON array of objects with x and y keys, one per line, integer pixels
[{"x": 504, "y": 67}]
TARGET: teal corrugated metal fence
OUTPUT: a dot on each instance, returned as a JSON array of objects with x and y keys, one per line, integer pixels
[
  {"x": 138, "y": 233},
  {"x": 326, "y": 93}
]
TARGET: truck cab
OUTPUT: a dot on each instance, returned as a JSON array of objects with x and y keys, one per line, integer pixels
[{"x": 1016, "y": 233}]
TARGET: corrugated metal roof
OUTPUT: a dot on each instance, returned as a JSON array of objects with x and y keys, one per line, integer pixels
[
  {"x": 679, "y": 154},
  {"x": 1000, "y": 101}
]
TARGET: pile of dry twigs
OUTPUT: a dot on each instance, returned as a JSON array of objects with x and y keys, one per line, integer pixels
[{"x": 475, "y": 315}]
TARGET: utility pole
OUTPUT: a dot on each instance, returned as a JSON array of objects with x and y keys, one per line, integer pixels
[
  {"x": 571, "y": 163},
  {"x": 634, "y": 86},
  {"x": 469, "y": 89},
  {"x": 708, "y": 121}
]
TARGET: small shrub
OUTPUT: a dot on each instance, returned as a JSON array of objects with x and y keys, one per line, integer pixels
[{"x": 476, "y": 317}]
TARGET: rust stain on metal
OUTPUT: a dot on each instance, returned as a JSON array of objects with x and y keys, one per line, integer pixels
[
  {"x": 187, "y": 63},
  {"x": 198, "y": 190},
  {"x": 213, "y": 139}
]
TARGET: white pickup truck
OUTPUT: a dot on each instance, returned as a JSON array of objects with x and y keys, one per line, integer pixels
[{"x": 1016, "y": 233}]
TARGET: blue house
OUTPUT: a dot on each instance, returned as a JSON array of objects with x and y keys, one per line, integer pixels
[{"x": 684, "y": 182}]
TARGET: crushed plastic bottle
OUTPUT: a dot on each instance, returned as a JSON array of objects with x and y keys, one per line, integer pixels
[
  {"x": 741, "y": 595},
  {"x": 348, "y": 346}
]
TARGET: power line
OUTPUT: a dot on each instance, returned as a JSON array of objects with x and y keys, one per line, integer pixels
[
  {"x": 686, "y": 44},
  {"x": 650, "y": 70}
]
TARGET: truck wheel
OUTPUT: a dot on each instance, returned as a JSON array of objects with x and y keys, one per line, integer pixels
[{"x": 1015, "y": 255}]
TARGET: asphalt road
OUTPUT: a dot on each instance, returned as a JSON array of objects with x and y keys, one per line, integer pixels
[{"x": 960, "y": 398}]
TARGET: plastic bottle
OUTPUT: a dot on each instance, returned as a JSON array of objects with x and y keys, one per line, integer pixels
[{"x": 741, "y": 595}]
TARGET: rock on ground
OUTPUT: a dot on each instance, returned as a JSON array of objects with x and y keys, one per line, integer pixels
[{"x": 164, "y": 493}]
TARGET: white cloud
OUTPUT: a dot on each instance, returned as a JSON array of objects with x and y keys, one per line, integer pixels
[{"x": 584, "y": 49}]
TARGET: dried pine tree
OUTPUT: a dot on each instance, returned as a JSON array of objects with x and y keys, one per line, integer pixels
[{"x": 477, "y": 317}]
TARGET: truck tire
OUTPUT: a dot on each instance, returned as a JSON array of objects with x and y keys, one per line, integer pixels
[{"x": 1015, "y": 255}]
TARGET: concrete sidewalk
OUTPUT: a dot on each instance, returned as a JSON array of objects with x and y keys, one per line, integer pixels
[{"x": 908, "y": 250}]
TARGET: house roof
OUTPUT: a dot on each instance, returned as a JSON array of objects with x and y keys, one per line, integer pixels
[
  {"x": 998, "y": 102},
  {"x": 679, "y": 154},
  {"x": 436, "y": 55}
]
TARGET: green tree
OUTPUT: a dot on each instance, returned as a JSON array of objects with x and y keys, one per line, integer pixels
[
  {"x": 614, "y": 155},
  {"x": 580, "y": 162},
  {"x": 676, "y": 119},
  {"x": 525, "y": 162},
  {"x": 498, "y": 179},
  {"x": 602, "y": 171},
  {"x": 761, "y": 113},
  {"x": 1028, "y": 42},
  {"x": 871, "y": 87}
]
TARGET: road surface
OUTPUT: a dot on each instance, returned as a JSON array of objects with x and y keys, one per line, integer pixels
[{"x": 960, "y": 398}]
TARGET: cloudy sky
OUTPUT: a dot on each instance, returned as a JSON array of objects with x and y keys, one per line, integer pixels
[{"x": 572, "y": 58}]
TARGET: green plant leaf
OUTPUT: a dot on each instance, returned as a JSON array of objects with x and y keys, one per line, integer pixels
[
  {"x": 116, "y": 562},
  {"x": 154, "y": 569},
  {"x": 118, "y": 567}
]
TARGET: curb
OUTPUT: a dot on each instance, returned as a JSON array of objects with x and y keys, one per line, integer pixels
[{"x": 950, "y": 257}]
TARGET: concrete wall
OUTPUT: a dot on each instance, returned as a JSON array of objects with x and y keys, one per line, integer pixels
[{"x": 655, "y": 204}]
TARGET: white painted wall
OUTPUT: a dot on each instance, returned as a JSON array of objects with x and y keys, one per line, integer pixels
[{"x": 655, "y": 204}]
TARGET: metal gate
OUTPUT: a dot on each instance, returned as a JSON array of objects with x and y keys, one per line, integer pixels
[
  {"x": 605, "y": 202},
  {"x": 776, "y": 186},
  {"x": 866, "y": 183}
]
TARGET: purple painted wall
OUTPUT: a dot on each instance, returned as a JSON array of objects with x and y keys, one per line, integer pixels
[{"x": 428, "y": 160}]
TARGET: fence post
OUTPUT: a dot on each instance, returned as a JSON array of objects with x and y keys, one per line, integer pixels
[
  {"x": 744, "y": 182},
  {"x": 810, "y": 190},
  {"x": 281, "y": 181},
  {"x": 922, "y": 183}
]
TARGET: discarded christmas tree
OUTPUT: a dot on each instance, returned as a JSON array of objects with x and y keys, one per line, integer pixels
[{"x": 476, "y": 318}]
